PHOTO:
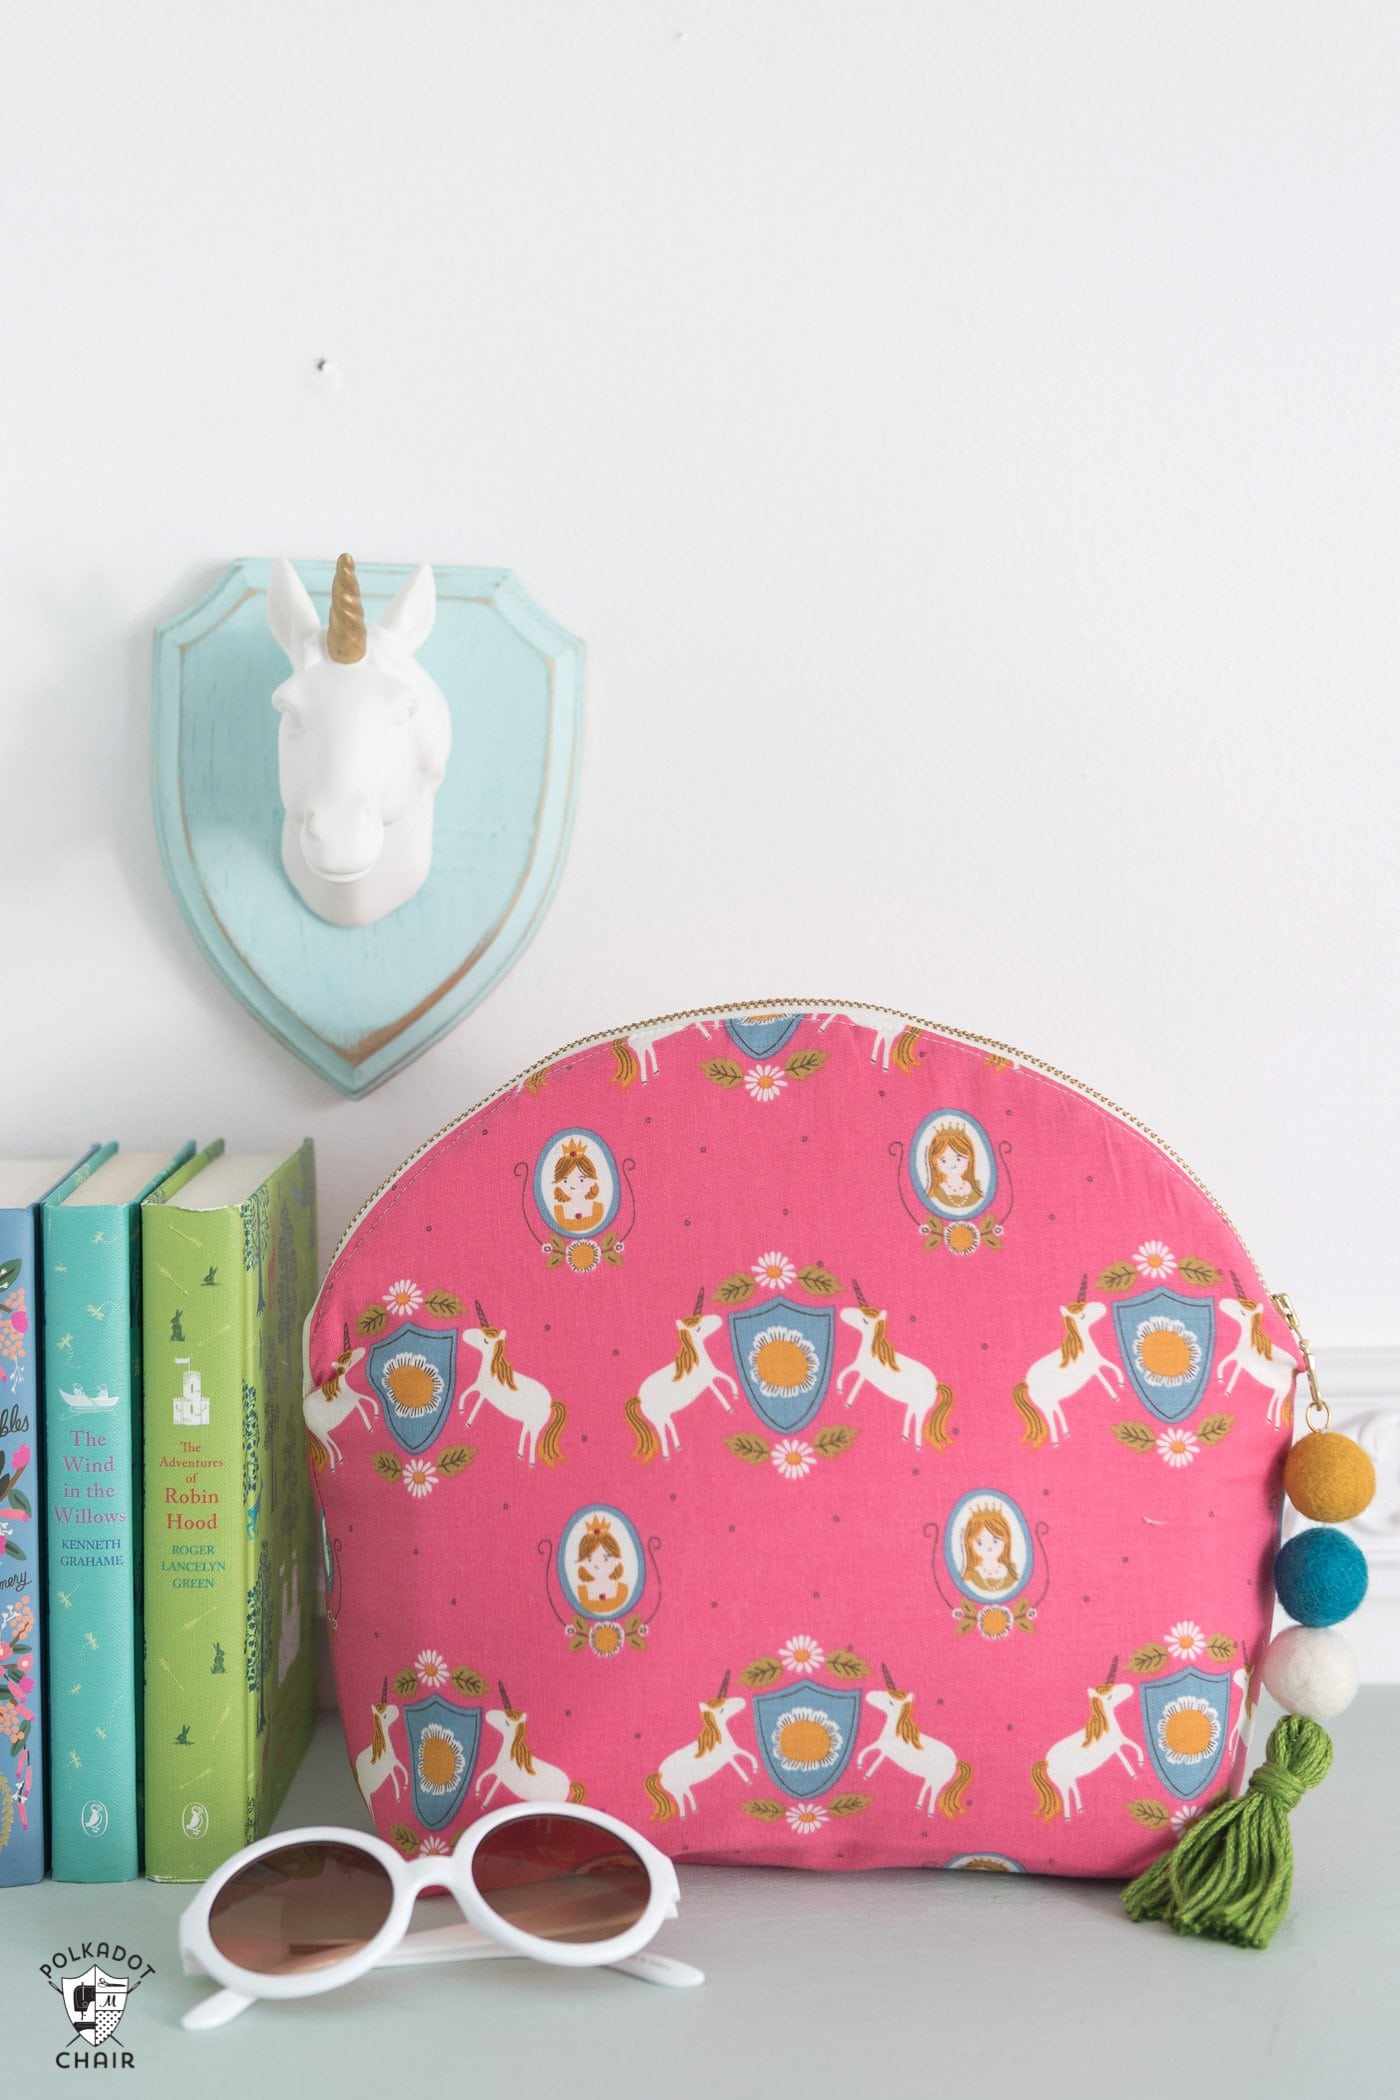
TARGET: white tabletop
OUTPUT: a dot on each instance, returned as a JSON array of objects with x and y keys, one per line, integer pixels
[{"x": 819, "y": 1984}]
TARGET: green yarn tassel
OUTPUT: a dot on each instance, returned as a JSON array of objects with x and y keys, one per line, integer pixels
[{"x": 1230, "y": 1874}]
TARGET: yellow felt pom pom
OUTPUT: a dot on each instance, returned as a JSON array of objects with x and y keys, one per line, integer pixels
[{"x": 1328, "y": 1477}]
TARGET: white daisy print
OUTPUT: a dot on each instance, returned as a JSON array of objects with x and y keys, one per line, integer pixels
[
  {"x": 432, "y": 1670},
  {"x": 765, "y": 1082},
  {"x": 436, "y": 1847},
  {"x": 1187, "y": 1813},
  {"x": 441, "y": 1760},
  {"x": 784, "y": 1363},
  {"x": 806, "y": 1817},
  {"x": 793, "y": 1458},
  {"x": 1166, "y": 1351},
  {"x": 403, "y": 1297},
  {"x": 1188, "y": 1730},
  {"x": 1186, "y": 1641},
  {"x": 1154, "y": 1258},
  {"x": 801, "y": 1655},
  {"x": 420, "y": 1477},
  {"x": 414, "y": 1383},
  {"x": 774, "y": 1271},
  {"x": 1177, "y": 1447},
  {"x": 804, "y": 1739}
]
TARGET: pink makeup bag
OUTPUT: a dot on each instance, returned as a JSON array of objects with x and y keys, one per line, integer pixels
[{"x": 815, "y": 1437}]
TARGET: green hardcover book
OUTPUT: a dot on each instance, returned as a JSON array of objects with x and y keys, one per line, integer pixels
[
  {"x": 229, "y": 1263},
  {"x": 92, "y": 1459}
]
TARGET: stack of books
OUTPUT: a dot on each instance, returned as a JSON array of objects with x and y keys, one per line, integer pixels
[{"x": 157, "y": 1561}]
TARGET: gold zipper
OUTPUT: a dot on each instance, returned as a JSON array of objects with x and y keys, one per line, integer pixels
[
  {"x": 794, "y": 1006},
  {"x": 1283, "y": 1305}
]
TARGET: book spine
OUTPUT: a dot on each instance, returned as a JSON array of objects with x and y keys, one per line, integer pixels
[
  {"x": 21, "y": 1532},
  {"x": 199, "y": 1727},
  {"x": 93, "y": 1509},
  {"x": 279, "y": 1226}
]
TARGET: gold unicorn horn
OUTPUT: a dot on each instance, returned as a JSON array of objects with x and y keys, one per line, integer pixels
[{"x": 346, "y": 635}]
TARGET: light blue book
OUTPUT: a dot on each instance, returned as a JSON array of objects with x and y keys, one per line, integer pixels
[
  {"x": 24, "y": 1183},
  {"x": 92, "y": 1422}
]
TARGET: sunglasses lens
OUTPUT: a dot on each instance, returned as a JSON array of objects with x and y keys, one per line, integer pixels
[
  {"x": 303, "y": 1907},
  {"x": 559, "y": 1878}
]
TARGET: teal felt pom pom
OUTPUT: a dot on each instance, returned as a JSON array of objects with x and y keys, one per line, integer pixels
[{"x": 1320, "y": 1577}]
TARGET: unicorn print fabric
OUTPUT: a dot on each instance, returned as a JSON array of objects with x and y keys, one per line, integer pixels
[{"x": 820, "y": 1438}]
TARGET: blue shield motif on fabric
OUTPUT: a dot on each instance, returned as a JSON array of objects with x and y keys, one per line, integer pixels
[
  {"x": 1185, "y": 1724},
  {"x": 1168, "y": 1343},
  {"x": 783, "y": 1354},
  {"x": 806, "y": 1736},
  {"x": 442, "y": 1743},
  {"x": 412, "y": 1372},
  {"x": 762, "y": 1035},
  {"x": 357, "y": 1003}
]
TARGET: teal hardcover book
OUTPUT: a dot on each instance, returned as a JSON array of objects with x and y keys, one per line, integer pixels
[
  {"x": 92, "y": 1441},
  {"x": 24, "y": 1183}
]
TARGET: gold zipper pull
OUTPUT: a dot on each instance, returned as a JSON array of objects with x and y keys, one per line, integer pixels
[{"x": 1284, "y": 1306}]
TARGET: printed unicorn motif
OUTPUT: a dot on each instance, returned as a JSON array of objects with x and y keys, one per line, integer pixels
[
  {"x": 379, "y": 1760},
  {"x": 524, "y": 1400},
  {"x": 517, "y": 1770},
  {"x": 888, "y": 1034},
  {"x": 943, "y": 1777},
  {"x": 327, "y": 1407},
  {"x": 1255, "y": 1355},
  {"x": 663, "y": 1394},
  {"x": 927, "y": 1401},
  {"x": 671, "y": 1788},
  {"x": 1056, "y": 1776},
  {"x": 1053, "y": 1379},
  {"x": 635, "y": 1055}
]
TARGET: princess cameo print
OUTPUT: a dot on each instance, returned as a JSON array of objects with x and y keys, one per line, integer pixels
[
  {"x": 578, "y": 1188},
  {"x": 600, "y": 1567},
  {"x": 600, "y": 1562},
  {"x": 956, "y": 1174},
  {"x": 992, "y": 1560},
  {"x": 988, "y": 1548},
  {"x": 955, "y": 1177}
]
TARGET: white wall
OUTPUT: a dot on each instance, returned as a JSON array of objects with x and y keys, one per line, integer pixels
[{"x": 965, "y": 436}]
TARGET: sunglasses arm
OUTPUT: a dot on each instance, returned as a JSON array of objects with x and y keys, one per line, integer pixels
[
  {"x": 445, "y": 1943},
  {"x": 464, "y": 1943},
  {"x": 216, "y": 2011}
]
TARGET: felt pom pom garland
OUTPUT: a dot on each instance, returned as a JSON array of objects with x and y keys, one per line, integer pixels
[
  {"x": 1328, "y": 1477},
  {"x": 1311, "y": 1670},
  {"x": 1320, "y": 1577},
  {"x": 1231, "y": 1873}
]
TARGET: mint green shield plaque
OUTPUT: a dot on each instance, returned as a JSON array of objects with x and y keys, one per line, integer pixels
[{"x": 357, "y": 1004}]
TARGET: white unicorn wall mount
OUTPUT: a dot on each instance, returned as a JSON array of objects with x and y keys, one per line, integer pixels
[{"x": 362, "y": 746}]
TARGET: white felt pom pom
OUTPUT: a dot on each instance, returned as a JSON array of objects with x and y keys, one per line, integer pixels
[{"x": 1311, "y": 1670}]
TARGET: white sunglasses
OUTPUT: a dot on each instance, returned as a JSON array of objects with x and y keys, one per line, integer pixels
[{"x": 309, "y": 1910}]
